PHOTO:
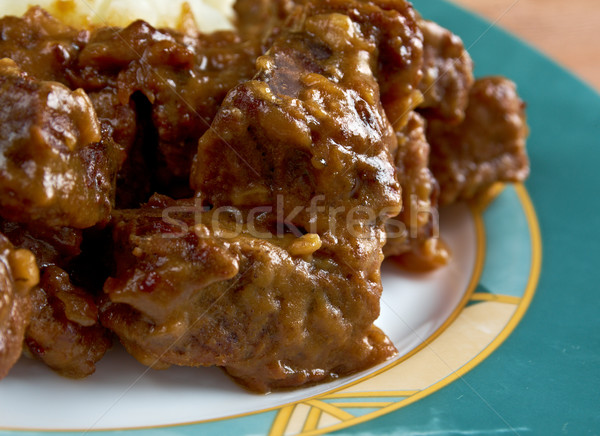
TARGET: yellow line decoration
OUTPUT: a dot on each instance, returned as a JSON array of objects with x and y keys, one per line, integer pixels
[
  {"x": 487, "y": 198},
  {"x": 312, "y": 420},
  {"x": 281, "y": 421},
  {"x": 363, "y": 405},
  {"x": 496, "y": 298},
  {"x": 332, "y": 410}
]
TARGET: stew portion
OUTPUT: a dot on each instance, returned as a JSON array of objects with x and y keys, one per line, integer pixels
[{"x": 227, "y": 199}]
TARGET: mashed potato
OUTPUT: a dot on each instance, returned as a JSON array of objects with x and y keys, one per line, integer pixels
[{"x": 207, "y": 15}]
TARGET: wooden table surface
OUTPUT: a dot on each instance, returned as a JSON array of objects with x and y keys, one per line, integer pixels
[{"x": 566, "y": 30}]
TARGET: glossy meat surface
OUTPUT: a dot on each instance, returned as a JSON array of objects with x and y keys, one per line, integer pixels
[
  {"x": 487, "y": 147},
  {"x": 18, "y": 275},
  {"x": 200, "y": 289},
  {"x": 392, "y": 25},
  {"x": 54, "y": 165},
  {"x": 310, "y": 126}
]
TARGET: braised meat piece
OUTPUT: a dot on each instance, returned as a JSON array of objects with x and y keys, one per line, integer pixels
[
  {"x": 183, "y": 79},
  {"x": 413, "y": 238},
  {"x": 447, "y": 74},
  {"x": 390, "y": 24},
  {"x": 213, "y": 288},
  {"x": 46, "y": 49},
  {"x": 64, "y": 331},
  {"x": 487, "y": 147},
  {"x": 18, "y": 275},
  {"x": 54, "y": 165},
  {"x": 129, "y": 125},
  {"x": 42, "y": 46},
  {"x": 419, "y": 189},
  {"x": 118, "y": 120},
  {"x": 310, "y": 126}
]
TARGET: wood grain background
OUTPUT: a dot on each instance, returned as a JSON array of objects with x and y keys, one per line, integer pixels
[{"x": 566, "y": 30}]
